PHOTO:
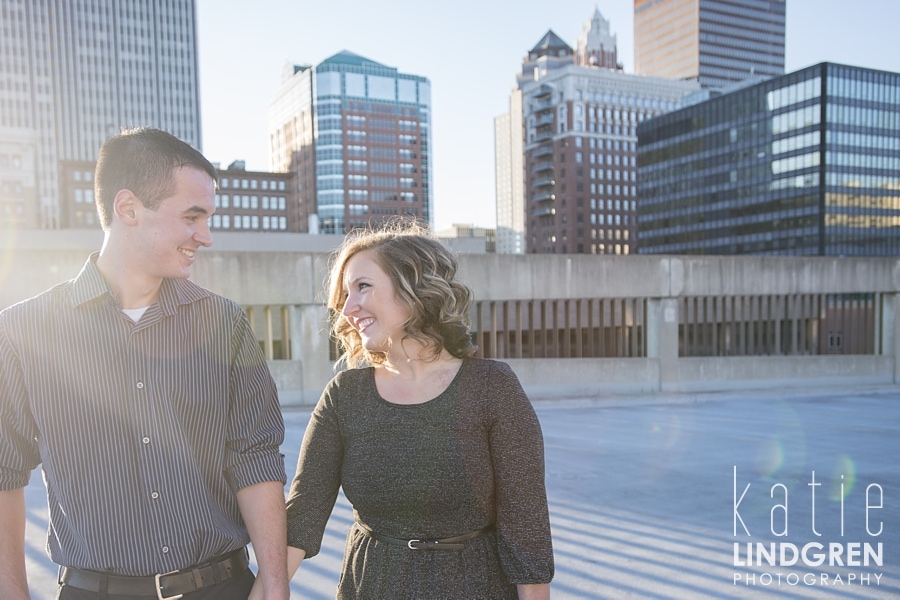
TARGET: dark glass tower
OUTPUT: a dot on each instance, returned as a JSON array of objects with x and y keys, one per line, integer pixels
[{"x": 804, "y": 164}]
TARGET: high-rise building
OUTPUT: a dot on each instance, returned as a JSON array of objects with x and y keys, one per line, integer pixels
[
  {"x": 717, "y": 42},
  {"x": 75, "y": 73},
  {"x": 508, "y": 180},
  {"x": 358, "y": 135},
  {"x": 803, "y": 164},
  {"x": 565, "y": 152}
]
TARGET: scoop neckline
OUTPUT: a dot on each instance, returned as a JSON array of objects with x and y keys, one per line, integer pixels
[{"x": 426, "y": 402}]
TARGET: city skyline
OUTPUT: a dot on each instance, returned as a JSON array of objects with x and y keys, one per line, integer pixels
[{"x": 462, "y": 48}]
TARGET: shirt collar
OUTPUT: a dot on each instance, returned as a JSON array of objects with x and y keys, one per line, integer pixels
[{"x": 90, "y": 284}]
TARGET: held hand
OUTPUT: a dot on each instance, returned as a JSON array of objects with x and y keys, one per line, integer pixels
[
  {"x": 535, "y": 591},
  {"x": 262, "y": 591}
]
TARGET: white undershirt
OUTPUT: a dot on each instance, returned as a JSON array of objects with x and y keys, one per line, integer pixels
[{"x": 135, "y": 313}]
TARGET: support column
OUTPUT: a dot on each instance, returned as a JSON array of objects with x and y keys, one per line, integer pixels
[
  {"x": 309, "y": 352},
  {"x": 890, "y": 330},
  {"x": 662, "y": 340}
]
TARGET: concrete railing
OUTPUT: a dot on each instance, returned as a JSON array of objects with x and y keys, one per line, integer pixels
[{"x": 282, "y": 292}]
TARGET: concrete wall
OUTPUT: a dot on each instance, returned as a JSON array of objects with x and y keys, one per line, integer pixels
[{"x": 295, "y": 279}]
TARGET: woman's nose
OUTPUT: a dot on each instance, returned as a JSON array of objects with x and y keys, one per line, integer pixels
[{"x": 350, "y": 306}]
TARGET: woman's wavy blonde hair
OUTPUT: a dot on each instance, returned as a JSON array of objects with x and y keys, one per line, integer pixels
[{"x": 422, "y": 271}]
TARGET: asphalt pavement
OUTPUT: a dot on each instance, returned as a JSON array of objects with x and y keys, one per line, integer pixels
[{"x": 792, "y": 494}]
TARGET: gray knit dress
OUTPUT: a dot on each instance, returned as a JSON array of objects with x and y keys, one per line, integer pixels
[{"x": 469, "y": 458}]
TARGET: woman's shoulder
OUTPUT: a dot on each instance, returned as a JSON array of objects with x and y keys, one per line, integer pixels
[
  {"x": 486, "y": 367},
  {"x": 351, "y": 376},
  {"x": 350, "y": 381},
  {"x": 486, "y": 374}
]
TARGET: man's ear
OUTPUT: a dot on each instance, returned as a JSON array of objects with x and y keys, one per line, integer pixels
[{"x": 125, "y": 205}]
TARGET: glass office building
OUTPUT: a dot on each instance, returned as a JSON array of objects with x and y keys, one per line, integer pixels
[
  {"x": 358, "y": 135},
  {"x": 804, "y": 164}
]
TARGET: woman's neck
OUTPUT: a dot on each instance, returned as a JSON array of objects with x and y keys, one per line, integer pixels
[{"x": 416, "y": 381}]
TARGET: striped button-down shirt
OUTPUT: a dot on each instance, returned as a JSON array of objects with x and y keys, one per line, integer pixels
[{"x": 144, "y": 430}]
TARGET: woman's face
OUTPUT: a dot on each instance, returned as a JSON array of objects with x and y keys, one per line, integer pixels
[{"x": 372, "y": 307}]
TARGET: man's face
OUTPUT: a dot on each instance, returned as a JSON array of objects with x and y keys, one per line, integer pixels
[{"x": 169, "y": 237}]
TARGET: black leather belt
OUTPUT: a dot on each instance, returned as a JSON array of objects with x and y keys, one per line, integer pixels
[
  {"x": 169, "y": 586},
  {"x": 451, "y": 543}
]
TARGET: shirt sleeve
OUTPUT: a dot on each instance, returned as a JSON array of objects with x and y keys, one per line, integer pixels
[
  {"x": 19, "y": 453},
  {"x": 517, "y": 453},
  {"x": 315, "y": 486},
  {"x": 256, "y": 427}
]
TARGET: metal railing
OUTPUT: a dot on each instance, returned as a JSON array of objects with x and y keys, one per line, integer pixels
[
  {"x": 570, "y": 328},
  {"x": 797, "y": 324}
]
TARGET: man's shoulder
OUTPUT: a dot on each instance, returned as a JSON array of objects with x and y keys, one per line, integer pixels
[{"x": 38, "y": 305}]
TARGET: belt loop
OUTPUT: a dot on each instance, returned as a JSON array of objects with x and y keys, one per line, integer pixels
[
  {"x": 104, "y": 587},
  {"x": 217, "y": 575}
]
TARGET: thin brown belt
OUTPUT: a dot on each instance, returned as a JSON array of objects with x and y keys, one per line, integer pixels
[{"x": 451, "y": 543}]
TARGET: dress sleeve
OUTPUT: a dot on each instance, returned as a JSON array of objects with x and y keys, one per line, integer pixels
[
  {"x": 19, "y": 453},
  {"x": 256, "y": 427},
  {"x": 517, "y": 453},
  {"x": 317, "y": 480}
]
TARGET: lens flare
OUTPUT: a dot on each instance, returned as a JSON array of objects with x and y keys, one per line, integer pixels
[
  {"x": 843, "y": 478},
  {"x": 769, "y": 457},
  {"x": 666, "y": 431}
]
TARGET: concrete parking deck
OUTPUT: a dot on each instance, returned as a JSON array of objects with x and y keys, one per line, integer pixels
[{"x": 649, "y": 496}]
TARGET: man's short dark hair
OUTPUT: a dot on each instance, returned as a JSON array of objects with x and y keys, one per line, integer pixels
[{"x": 142, "y": 160}]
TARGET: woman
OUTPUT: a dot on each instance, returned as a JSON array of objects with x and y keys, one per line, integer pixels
[{"x": 439, "y": 453}]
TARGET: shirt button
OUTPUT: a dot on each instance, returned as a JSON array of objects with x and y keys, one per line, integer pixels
[
  {"x": 165, "y": 549},
  {"x": 145, "y": 439},
  {"x": 140, "y": 385},
  {"x": 154, "y": 495}
]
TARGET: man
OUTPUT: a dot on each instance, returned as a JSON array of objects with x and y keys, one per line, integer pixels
[{"x": 147, "y": 402}]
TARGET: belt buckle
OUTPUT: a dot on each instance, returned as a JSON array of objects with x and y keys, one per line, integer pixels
[{"x": 159, "y": 592}]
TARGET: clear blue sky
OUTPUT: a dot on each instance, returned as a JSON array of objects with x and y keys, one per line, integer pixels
[{"x": 471, "y": 51}]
